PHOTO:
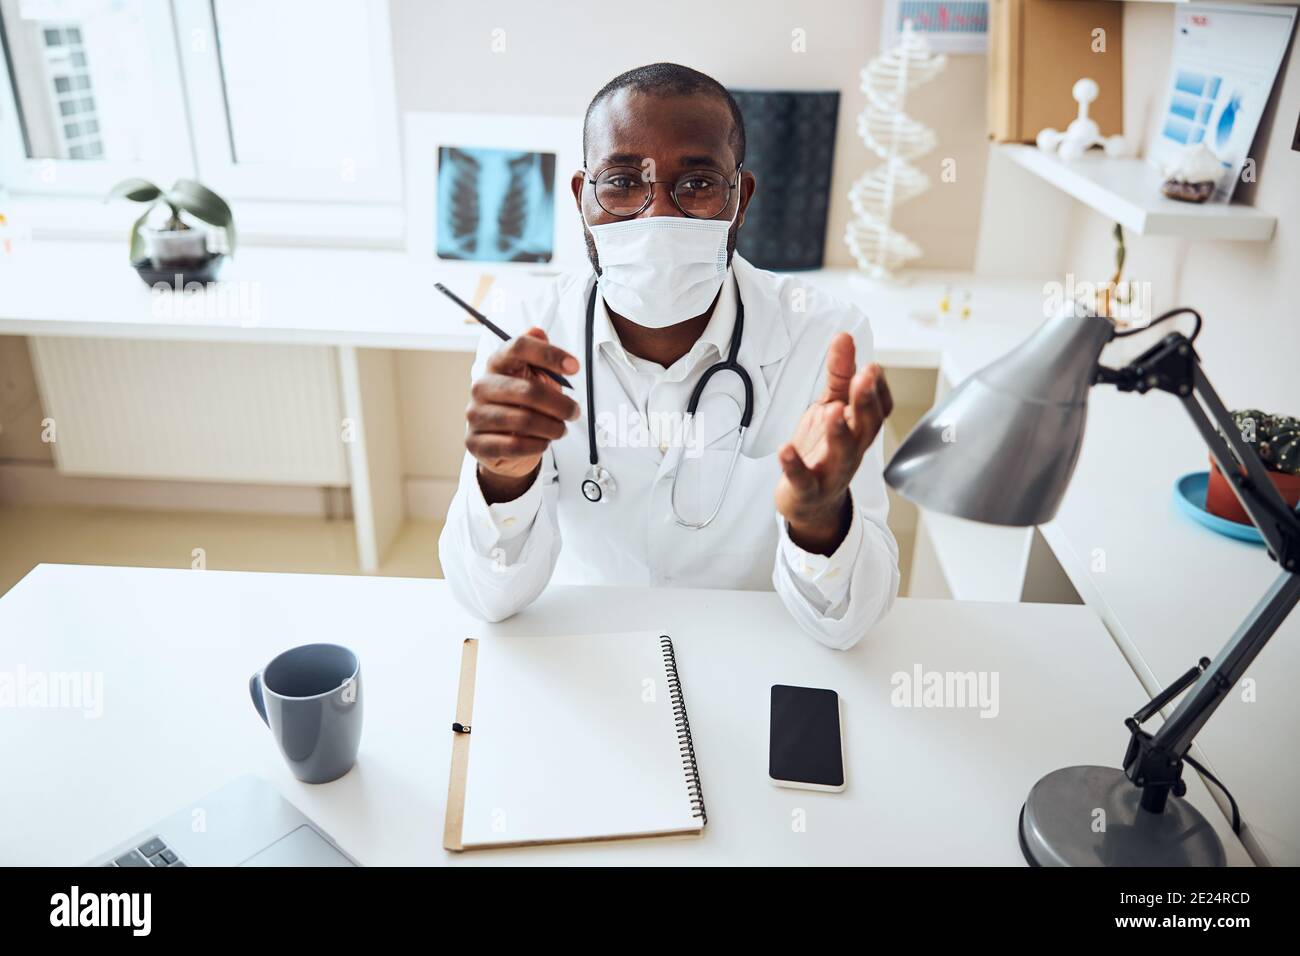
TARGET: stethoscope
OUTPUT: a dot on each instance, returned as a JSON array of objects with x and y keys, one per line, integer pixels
[{"x": 599, "y": 484}]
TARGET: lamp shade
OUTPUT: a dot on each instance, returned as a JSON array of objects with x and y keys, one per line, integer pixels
[{"x": 1002, "y": 446}]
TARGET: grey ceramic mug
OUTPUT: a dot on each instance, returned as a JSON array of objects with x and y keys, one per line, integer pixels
[{"x": 310, "y": 697}]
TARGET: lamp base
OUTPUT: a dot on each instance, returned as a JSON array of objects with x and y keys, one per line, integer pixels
[{"x": 1089, "y": 816}]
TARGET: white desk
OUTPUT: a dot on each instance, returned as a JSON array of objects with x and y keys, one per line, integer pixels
[
  {"x": 926, "y": 786},
  {"x": 334, "y": 297},
  {"x": 376, "y": 299},
  {"x": 1171, "y": 591}
]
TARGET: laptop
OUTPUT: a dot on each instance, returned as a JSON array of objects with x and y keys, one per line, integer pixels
[{"x": 245, "y": 823}]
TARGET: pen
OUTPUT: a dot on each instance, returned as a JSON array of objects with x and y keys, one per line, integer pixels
[{"x": 494, "y": 328}]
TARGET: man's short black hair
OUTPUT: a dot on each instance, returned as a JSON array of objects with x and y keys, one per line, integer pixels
[{"x": 671, "y": 79}]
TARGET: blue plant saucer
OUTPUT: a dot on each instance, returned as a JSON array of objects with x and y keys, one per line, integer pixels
[{"x": 1189, "y": 496}]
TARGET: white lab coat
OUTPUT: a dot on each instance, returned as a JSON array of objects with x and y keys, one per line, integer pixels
[{"x": 499, "y": 558}]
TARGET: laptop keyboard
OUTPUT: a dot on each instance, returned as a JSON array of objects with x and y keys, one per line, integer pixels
[{"x": 150, "y": 853}]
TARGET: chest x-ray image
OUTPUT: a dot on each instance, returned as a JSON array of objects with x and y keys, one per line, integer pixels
[{"x": 495, "y": 205}]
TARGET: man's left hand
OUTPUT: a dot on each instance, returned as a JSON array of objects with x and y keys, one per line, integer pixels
[{"x": 827, "y": 448}]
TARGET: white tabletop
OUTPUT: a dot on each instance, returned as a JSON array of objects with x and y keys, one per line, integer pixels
[
  {"x": 925, "y": 786},
  {"x": 360, "y": 297},
  {"x": 386, "y": 299}
]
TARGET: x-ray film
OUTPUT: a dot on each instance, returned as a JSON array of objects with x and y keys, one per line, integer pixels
[{"x": 495, "y": 205}]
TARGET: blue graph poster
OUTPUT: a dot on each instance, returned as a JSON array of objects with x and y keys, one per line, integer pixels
[
  {"x": 1191, "y": 103},
  {"x": 495, "y": 205},
  {"x": 1224, "y": 62},
  {"x": 949, "y": 26}
]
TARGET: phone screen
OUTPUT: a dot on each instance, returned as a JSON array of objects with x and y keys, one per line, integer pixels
[{"x": 805, "y": 747}]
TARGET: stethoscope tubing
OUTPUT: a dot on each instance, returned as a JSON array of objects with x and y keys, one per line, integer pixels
[{"x": 730, "y": 364}]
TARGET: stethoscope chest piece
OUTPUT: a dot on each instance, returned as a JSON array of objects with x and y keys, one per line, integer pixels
[{"x": 599, "y": 485}]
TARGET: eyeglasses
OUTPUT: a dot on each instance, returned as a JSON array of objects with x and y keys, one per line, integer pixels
[{"x": 700, "y": 194}]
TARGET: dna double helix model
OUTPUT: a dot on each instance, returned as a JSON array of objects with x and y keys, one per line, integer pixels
[{"x": 897, "y": 139}]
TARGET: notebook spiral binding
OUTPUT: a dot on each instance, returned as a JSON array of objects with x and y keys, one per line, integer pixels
[{"x": 685, "y": 743}]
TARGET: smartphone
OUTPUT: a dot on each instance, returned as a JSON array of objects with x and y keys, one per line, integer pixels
[{"x": 805, "y": 749}]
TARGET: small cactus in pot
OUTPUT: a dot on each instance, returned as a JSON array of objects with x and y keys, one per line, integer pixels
[{"x": 1276, "y": 439}]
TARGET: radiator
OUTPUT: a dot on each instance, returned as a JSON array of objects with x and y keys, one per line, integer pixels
[{"x": 203, "y": 411}]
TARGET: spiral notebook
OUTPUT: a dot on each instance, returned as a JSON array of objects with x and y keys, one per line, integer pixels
[{"x": 571, "y": 739}]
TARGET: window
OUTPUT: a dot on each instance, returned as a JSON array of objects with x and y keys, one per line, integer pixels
[
  {"x": 87, "y": 81},
  {"x": 305, "y": 90},
  {"x": 284, "y": 100},
  {"x": 77, "y": 136}
]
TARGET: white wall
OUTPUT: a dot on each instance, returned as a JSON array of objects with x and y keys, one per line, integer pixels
[
  {"x": 558, "y": 54},
  {"x": 1247, "y": 291}
]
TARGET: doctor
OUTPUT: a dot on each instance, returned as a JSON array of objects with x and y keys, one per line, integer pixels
[{"x": 769, "y": 477}]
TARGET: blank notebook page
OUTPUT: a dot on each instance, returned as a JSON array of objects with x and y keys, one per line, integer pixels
[{"x": 573, "y": 738}]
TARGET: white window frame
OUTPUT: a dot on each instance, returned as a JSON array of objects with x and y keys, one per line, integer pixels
[
  {"x": 273, "y": 204},
  {"x": 196, "y": 29},
  {"x": 81, "y": 177}
]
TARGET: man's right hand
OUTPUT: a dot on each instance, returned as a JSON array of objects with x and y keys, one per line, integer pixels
[{"x": 515, "y": 413}]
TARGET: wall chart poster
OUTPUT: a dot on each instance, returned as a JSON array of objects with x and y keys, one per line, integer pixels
[
  {"x": 1225, "y": 59},
  {"x": 949, "y": 26}
]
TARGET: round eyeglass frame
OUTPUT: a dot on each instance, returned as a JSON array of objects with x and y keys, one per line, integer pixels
[{"x": 650, "y": 192}]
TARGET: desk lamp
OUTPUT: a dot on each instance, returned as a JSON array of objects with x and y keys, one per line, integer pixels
[{"x": 1000, "y": 449}]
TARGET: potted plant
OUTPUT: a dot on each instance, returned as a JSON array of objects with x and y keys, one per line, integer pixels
[
  {"x": 1276, "y": 439},
  {"x": 175, "y": 245}
]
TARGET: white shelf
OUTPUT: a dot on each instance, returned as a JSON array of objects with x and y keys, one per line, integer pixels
[{"x": 1128, "y": 192}]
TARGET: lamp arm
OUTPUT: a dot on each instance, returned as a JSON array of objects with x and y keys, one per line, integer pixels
[
  {"x": 1173, "y": 366},
  {"x": 1174, "y": 738},
  {"x": 1154, "y": 762},
  {"x": 1278, "y": 524}
]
